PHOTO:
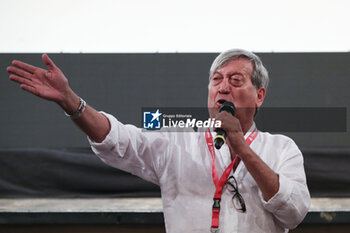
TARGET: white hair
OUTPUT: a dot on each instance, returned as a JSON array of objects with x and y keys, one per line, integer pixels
[{"x": 260, "y": 76}]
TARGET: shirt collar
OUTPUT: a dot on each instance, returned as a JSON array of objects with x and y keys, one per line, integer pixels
[{"x": 251, "y": 129}]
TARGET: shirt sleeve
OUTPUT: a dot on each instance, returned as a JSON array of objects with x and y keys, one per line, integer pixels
[
  {"x": 292, "y": 201},
  {"x": 128, "y": 148}
]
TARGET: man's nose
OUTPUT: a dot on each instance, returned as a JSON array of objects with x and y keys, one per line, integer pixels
[{"x": 224, "y": 87}]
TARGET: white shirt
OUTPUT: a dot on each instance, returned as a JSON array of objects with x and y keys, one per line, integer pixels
[{"x": 181, "y": 164}]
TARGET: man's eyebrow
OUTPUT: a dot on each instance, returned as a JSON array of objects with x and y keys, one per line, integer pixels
[
  {"x": 236, "y": 73},
  {"x": 229, "y": 74},
  {"x": 217, "y": 72}
]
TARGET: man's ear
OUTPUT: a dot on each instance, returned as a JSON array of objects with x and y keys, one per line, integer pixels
[{"x": 261, "y": 93}]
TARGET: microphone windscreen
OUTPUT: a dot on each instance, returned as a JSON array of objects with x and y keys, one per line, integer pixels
[{"x": 228, "y": 107}]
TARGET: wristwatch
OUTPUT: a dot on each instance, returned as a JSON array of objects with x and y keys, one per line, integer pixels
[{"x": 80, "y": 110}]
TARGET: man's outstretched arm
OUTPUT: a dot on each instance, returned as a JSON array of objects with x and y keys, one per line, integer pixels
[{"x": 52, "y": 85}]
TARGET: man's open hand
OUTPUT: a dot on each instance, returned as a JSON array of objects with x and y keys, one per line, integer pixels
[{"x": 49, "y": 84}]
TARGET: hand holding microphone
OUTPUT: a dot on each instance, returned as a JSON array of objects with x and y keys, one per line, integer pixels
[{"x": 220, "y": 137}]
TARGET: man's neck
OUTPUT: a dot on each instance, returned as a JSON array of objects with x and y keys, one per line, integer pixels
[{"x": 246, "y": 126}]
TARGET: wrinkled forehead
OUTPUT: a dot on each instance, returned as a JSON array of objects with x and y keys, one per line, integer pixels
[{"x": 240, "y": 64}]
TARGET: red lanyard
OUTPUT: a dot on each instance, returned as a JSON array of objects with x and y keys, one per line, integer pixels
[{"x": 220, "y": 183}]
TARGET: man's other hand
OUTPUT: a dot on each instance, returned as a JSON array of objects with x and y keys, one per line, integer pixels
[{"x": 48, "y": 84}]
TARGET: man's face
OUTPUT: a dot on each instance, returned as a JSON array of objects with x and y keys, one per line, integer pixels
[{"x": 232, "y": 82}]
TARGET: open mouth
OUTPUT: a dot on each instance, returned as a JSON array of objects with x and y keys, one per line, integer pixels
[{"x": 221, "y": 101}]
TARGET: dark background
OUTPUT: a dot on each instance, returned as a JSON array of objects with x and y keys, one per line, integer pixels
[{"x": 121, "y": 84}]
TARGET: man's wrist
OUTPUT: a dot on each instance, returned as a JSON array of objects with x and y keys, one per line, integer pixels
[
  {"x": 79, "y": 111},
  {"x": 70, "y": 103},
  {"x": 239, "y": 145},
  {"x": 236, "y": 139}
]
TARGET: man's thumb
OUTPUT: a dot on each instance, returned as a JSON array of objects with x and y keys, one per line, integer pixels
[{"x": 48, "y": 62}]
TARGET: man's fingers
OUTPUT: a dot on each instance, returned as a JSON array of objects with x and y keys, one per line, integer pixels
[
  {"x": 19, "y": 72},
  {"x": 48, "y": 62},
  {"x": 24, "y": 66},
  {"x": 20, "y": 80},
  {"x": 28, "y": 88}
]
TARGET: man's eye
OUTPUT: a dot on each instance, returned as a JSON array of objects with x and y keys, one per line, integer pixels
[{"x": 235, "y": 78}]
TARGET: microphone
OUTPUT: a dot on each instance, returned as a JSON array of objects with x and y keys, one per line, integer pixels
[{"x": 220, "y": 137}]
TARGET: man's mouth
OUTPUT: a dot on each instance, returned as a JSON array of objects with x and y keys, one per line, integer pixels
[{"x": 221, "y": 101}]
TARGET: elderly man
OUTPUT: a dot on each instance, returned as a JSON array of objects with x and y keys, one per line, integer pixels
[{"x": 253, "y": 183}]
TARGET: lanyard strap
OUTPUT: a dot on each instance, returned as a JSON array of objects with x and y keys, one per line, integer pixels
[{"x": 220, "y": 183}]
